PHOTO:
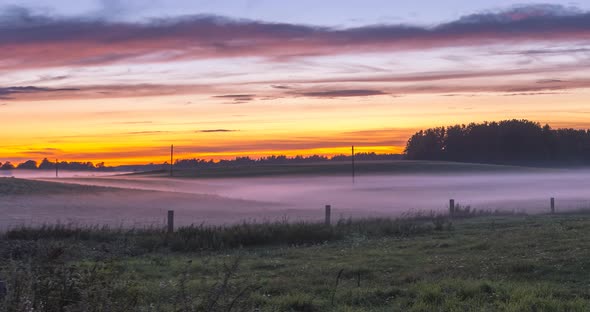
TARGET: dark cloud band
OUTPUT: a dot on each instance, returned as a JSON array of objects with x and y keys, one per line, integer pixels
[{"x": 28, "y": 40}]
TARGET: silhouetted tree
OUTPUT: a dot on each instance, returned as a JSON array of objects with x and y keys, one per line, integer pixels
[
  {"x": 7, "y": 166},
  {"x": 426, "y": 144},
  {"x": 508, "y": 141},
  {"x": 46, "y": 164},
  {"x": 29, "y": 164}
]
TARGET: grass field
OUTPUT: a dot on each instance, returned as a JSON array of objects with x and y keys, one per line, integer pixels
[
  {"x": 13, "y": 186},
  {"x": 426, "y": 263},
  {"x": 342, "y": 168}
]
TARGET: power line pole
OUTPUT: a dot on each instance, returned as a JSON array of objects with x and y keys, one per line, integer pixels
[
  {"x": 353, "y": 169},
  {"x": 171, "y": 159},
  {"x": 56, "y": 168}
]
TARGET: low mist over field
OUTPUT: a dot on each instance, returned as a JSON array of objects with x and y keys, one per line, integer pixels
[
  {"x": 140, "y": 200},
  {"x": 39, "y": 174}
]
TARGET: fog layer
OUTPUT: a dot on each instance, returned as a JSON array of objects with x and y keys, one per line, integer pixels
[
  {"x": 391, "y": 194},
  {"x": 37, "y": 174},
  {"x": 217, "y": 201}
]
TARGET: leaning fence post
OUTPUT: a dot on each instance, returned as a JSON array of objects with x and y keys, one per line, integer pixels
[
  {"x": 170, "y": 221},
  {"x": 328, "y": 215},
  {"x": 452, "y": 207},
  {"x": 552, "y": 205}
]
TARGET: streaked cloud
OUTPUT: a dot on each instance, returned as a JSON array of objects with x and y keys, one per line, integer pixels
[
  {"x": 549, "y": 51},
  {"x": 11, "y": 92},
  {"x": 283, "y": 87},
  {"x": 31, "y": 93},
  {"x": 29, "y": 40},
  {"x": 333, "y": 88},
  {"x": 342, "y": 93},
  {"x": 215, "y": 130},
  {"x": 146, "y": 132},
  {"x": 237, "y": 98},
  {"x": 42, "y": 152}
]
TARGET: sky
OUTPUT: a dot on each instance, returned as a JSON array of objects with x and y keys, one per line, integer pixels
[{"x": 119, "y": 81}]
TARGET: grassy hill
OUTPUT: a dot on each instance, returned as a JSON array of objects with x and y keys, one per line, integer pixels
[{"x": 14, "y": 186}]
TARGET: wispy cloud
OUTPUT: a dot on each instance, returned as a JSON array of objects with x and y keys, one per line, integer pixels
[
  {"x": 50, "y": 78},
  {"x": 431, "y": 83},
  {"x": 100, "y": 91},
  {"x": 444, "y": 75},
  {"x": 43, "y": 152},
  {"x": 550, "y": 81},
  {"x": 215, "y": 130},
  {"x": 237, "y": 98},
  {"x": 146, "y": 132},
  {"x": 532, "y": 93},
  {"x": 31, "y": 40},
  {"x": 549, "y": 51},
  {"x": 342, "y": 93},
  {"x": 9, "y": 92},
  {"x": 282, "y": 87}
]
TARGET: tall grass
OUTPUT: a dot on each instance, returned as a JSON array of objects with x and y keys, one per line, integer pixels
[
  {"x": 466, "y": 211},
  {"x": 209, "y": 237}
]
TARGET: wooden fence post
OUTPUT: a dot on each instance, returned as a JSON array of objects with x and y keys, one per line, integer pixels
[
  {"x": 452, "y": 207},
  {"x": 552, "y": 205},
  {"x": 170, "y": 221},
  {"x": 328, "y": 215},
  {"x": 3, "y": 290}
]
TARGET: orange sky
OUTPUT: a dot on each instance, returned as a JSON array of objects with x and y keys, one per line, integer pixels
[
  {"x": 140, "y": 130},
  {"x": 94, "y": 89}
]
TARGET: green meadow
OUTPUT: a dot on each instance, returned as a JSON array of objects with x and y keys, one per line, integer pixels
[{"x": 480, "y": 261}]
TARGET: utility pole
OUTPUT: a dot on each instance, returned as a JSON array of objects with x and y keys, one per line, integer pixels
[
  {"x": 353, "y": 169},
  {"x": 56, "y": 168},
  {"x": 171, "y": 159}
]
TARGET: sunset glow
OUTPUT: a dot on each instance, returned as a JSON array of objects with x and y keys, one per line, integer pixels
[{"x": 90, "y": 83}]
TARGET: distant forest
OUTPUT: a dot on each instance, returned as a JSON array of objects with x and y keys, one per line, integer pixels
[
  {"x": 49, "y": 165},
  {"x": 504, "y": 142},
  {"x": 196, "y": 163},
  {"x": 274, "y": 160}
]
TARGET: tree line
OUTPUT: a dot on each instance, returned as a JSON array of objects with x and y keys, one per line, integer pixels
[
  {"x": 505, "y": 142},
  {"x": 46, "y": 164},
  {"x": 279, "y": 160},
  {"x": 196, "y": 163}
]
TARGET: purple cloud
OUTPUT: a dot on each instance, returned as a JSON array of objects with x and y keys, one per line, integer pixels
[{"x": 29, "y": 41}]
